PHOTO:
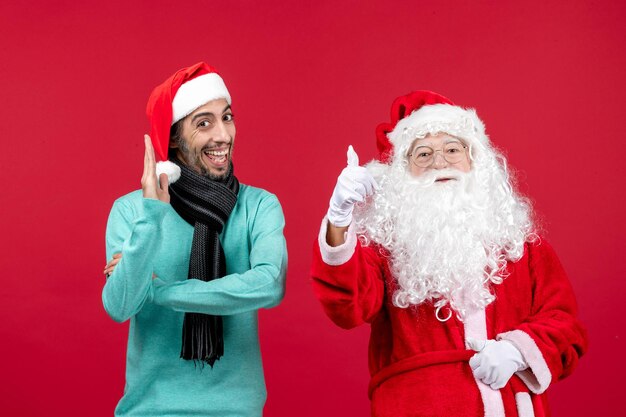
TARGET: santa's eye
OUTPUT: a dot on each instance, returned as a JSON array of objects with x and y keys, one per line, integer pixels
[
  {"x": 203, "y": 123},
  {"x": 423, "y": 152},
  {"x": 453, "y": 148}
]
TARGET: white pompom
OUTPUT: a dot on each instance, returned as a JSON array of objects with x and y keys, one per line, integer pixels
[{"x": 171, "y": 169}]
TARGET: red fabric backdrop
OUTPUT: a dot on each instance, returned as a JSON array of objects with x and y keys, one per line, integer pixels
[{"x": 307, "y": 80}]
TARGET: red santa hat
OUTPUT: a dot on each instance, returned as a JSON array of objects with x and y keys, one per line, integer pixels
[
  {"x": 176, "y": 98},
  {"x": 421, "y": 113}
]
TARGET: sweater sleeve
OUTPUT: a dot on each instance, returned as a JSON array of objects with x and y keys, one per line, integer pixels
[
  {"x": 262, "y": 286},
  {"x": 137, "y": 235},
  {"x": 348, "y": 280},
  {"x": 551, "y": 339}
]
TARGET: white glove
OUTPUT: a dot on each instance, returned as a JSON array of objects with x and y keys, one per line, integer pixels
[
  {"x": 354, "y": 184},
  {"x": 495, "y": 362}
]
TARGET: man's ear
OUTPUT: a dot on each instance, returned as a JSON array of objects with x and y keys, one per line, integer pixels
[{"x": 173, "y": 143}]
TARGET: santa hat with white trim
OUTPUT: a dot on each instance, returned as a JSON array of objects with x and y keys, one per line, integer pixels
[
  {"x": 176, "y": 98},
  {"x": 421, "y": 113}
]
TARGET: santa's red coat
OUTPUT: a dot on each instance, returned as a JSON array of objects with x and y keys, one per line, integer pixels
[{"x": 419, "y": 365}]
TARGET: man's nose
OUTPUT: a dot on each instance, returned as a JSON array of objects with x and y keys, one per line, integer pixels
[
  {"x": 439, "y": 162},
  {"x": 221, "y": 132}
]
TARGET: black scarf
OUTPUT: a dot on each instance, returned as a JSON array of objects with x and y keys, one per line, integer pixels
[{"x": 206, "y": 204}]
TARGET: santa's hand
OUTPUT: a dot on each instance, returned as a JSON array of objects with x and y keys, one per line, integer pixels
[
  {"x": 495, "y": 362},
  {"x": 354, "y": 184}
]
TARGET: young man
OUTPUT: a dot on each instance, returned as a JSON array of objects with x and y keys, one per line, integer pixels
[
  {"x": 192, "y": 261},
  {"x": 471, "y": 312}
]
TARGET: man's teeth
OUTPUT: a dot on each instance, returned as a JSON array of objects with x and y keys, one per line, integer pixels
[
  {"x": 217, "y": 153},
  {"x": 217, "y": 156}
]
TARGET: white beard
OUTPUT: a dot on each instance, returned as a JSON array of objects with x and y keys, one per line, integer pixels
[{"x": 448, "y": 241}]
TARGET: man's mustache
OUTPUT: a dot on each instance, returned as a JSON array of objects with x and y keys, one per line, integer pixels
[{"x": 429, "y": 178}]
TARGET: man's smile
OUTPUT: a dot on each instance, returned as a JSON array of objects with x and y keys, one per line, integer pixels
[{"x": 218, "y": 157}]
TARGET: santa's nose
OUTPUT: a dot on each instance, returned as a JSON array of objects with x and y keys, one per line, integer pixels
[{"x": 439, "y": 161}]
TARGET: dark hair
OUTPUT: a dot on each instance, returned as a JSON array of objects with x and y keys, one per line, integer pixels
[{"x": 175, "y": 136}]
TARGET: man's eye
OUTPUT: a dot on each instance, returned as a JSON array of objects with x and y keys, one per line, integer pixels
[
  {"x": 423, "y": 154},
  {"x": 454, "y": 148},
  {"x": 228, "y": 117},
  {"x": 204, "y": 123}
]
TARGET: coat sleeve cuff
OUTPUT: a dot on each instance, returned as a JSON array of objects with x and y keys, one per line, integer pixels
[
  {"x": 537, "y": 376},
  {"x": 155, "y": 209},
  {"x": 336, "y": 255}
]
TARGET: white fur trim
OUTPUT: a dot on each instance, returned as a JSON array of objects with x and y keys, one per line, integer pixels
[
  {"x": 197, "y": 92},
  {"x": 437, "y": 118},
  {"x": 524, "y": 405},
  {"x": 492, "y": 400},
  {"x": 537, "y": 376},
  {"x": 475, "y": 326},
  {"x": 336, "y": 255},
  {"x": 171, "y": 169}
]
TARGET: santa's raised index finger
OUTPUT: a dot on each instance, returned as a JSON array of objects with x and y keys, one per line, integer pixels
[{"x": 353, "y": 158}]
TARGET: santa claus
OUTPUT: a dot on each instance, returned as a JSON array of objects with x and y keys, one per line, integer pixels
[{"x": 471, "y": 313}]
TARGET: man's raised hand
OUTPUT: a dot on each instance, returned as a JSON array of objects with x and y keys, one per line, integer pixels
[
  {"x": 354, "y": 184},
  {"x": 153, "y": 188}
]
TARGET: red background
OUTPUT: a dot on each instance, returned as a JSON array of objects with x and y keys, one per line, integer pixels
[{"x": 307, "y": 80}]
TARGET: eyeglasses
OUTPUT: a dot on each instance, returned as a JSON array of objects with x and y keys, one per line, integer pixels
[{"x": 424, "y": 156}]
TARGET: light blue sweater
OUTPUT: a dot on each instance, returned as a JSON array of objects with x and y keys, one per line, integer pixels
[{"x": 153, "y": 238}]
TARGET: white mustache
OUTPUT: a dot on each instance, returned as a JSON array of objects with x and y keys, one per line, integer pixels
[{"x": 429, "y": 178}]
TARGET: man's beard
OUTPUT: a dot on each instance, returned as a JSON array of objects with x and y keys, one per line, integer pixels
[
  {"x": 448, "y": 241},
  {"x": 194, "y": 160}
]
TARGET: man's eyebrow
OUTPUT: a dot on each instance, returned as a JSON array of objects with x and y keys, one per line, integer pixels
[
  {"x": 447, "y": 140},
  {"x": 454, "y": 139},
  {"x": 206, "y": 113},
  {"x": 423, "y": 145}
]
